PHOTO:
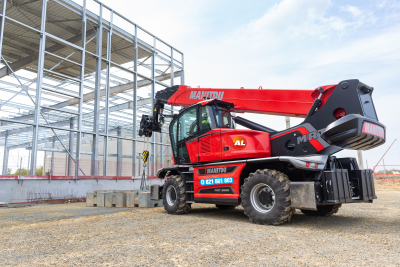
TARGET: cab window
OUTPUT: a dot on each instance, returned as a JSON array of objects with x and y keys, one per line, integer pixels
[
  {"x": 223, "y": 118},
  {"x": 187, "y": 124},
  {"x": 205, "y": 119}
]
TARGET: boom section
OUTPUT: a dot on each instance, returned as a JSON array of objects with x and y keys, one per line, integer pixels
[{"x": 284, "y": 102}]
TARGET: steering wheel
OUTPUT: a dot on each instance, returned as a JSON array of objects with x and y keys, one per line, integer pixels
[{"x": 192, "y": 129}]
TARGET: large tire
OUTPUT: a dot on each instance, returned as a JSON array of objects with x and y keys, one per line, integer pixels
[
  {"x": 174, "y": 196},
  {"x": 266, "y": 198},
  {"x": 324, "y": 211},
  {"x": 225, "y": 207}
]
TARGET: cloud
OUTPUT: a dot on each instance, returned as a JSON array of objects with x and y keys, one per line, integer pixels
[{"x": 291, "y": 44}]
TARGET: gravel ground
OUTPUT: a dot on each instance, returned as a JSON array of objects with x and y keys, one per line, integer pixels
[{"x": 73, "y": 234}]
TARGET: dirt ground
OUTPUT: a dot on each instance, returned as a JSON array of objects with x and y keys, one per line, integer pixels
[{"x": 73, "y": 234}]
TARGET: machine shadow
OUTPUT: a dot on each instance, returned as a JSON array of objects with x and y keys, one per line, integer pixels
[{"x": 298, "y": 219}]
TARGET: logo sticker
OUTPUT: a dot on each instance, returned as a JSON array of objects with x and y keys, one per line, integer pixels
[
  {"x": 373, "y": 129},
  {"x": 239, "y": 142},
  {"x": 208, "y": 94},
  {"x": 216, "y": 181}
]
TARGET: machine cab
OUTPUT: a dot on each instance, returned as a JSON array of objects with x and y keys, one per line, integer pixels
[{"x": 195, "y": 133}]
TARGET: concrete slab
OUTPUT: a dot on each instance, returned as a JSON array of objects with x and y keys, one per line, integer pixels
[
  {"x": 119, "y": 200},
  {"x": 108, "y": 199},
  {"x": 91, "y": 200},
  {"x": 145, "y": 201},
  {"x": 131, "y": 200},
  {"x": 100, "y": 199}
]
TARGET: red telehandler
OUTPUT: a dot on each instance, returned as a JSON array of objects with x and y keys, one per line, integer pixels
[{"x": 270, "y": 173}]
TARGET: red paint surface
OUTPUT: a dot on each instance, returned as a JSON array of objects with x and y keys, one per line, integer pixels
[
  {"x": 235, "y": 185},
  {"x": 257, "y": 144},
  {"x": 288, "y": 102}
]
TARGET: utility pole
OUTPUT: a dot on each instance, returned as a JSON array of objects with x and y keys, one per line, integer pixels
[
  {"x": 384, "y": 170},
  {"x": 360, "y": 159}
]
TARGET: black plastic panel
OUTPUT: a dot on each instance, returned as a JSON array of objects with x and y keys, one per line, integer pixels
[
  {"x": 336, "y": 186},
  {"x": 365, "y": 180}
]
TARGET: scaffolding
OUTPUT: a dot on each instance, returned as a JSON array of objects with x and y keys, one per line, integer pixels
[{"x": 74, "y": 83}]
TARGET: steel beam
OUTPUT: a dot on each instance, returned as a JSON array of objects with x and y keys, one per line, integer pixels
[
  {"x": 24, "y": 62},
  {"x": 90, "y": 96},
  {"x": 127, "y": 105}
]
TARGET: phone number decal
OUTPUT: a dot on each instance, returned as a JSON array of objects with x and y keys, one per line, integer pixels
[{"x": 216, "y": 181}]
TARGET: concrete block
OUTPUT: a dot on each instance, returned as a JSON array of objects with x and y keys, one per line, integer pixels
[
  {"x": 91, "y": 200},
  {"x": 119, "y": 200},
  {"x": 145, "y": 201},
  {"x": 100, "y": 199},
  {"x": 132, "y": 199},
  {"x": 108, "y": 199}
]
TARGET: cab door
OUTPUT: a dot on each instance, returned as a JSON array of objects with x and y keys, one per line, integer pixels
[
  {"x": 187, "y": 133},
  {"x": 209, "y": 136}
]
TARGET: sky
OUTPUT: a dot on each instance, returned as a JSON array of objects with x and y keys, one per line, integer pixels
[{"x": 285, "y": 44}]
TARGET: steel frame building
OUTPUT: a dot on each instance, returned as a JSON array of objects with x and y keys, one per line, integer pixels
[{"x": 76, "y": 82}]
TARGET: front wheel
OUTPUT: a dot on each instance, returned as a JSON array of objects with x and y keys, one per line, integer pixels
[
  {"x": 266, "y": 197},
  {"x": 174, "y": 196}
]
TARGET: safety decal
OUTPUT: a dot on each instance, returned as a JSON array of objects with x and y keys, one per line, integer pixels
[{"x": 216, "y": 181}]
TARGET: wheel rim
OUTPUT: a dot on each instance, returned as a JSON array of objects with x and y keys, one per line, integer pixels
[
  {"x": 171, "y": 195},
  {"x": 262, "y": 198}
]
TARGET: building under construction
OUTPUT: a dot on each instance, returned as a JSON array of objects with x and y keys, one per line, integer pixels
[{"x": 75, "y": 79}]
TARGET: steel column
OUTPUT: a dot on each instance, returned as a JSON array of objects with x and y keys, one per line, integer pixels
[
  {"x": 52, "y": 157},
  {"x": 39, "y": 80},
  {"x": 5, "y": 156},
  {"x": 172, "y": 67},
  {"x": 134, "y": 105},
  {"x": 119, "y": 152},
  {"x": 96, "y": 117},
  {"x": 161, "y": 151},
  {"x": 71, "y": 146},
  {"x": 81, "y": 86},
  {"x": 2, "y": 21},
  {"x": 183, "y": 73},
  {"x": 107, "y": 98},
  {"x": 172, "y": 84},
  {"x": 153, "y": 88}
]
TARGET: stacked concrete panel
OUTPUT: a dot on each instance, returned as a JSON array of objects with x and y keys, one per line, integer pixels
[{"x": 120, "y": 199}]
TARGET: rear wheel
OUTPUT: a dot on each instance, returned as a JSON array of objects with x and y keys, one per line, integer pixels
[
  {"x": 324, "y": 211},
  {"x": 265, "y": 197},
  {"x": 225, "y": 207},
  {"x": 174, "y": 196}
]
